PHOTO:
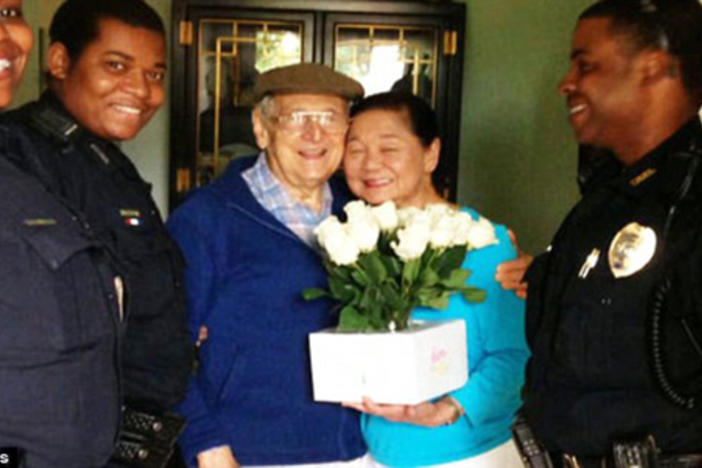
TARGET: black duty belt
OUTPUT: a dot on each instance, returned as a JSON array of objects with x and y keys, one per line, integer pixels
[
  {"x": 147, "y": 439},
  {"x": 663, "y": 461}
]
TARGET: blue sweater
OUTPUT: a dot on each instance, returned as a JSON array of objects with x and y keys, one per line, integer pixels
[
  {"x": 497, "y": 353},
  {"x": 244, "y": 275}
]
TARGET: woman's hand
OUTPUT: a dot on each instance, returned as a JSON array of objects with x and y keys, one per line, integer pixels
[
  {"x": 510, "y": 274},
  {"x": 424, "y": 414},
  {"x": 218, "y": 457}
]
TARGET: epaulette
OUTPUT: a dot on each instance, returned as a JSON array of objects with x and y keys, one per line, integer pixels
[{"x": 52, "y": 123}]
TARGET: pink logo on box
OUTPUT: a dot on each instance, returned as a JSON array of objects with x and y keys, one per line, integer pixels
[{"x": 439, "y": 361}]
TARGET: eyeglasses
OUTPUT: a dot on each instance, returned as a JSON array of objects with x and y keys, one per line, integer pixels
[{"x": 297, "y": 121}]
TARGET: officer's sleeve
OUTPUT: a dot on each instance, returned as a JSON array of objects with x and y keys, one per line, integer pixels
[
  {"x": 495, "y": 336},
  {"x": 202, "y": 431}
]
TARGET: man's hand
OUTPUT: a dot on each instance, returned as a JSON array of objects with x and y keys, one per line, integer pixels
[
  {"x": 510, "y": 274},
  {"x": 424, "y": 414},
  {"x": 218, "y": 457}
]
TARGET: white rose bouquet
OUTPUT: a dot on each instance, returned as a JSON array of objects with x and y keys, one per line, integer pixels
[{"x": 382, "y": 262}]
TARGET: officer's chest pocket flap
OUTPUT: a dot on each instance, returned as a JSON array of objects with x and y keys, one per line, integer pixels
[
  {"x": 55, "y": 244},
  {"x": 68, "y": 297}
]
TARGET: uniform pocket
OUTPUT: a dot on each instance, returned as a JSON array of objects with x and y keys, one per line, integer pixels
[{"x": 52, "y": 298}]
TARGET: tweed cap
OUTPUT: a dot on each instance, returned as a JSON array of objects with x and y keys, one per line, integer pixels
[{"x": 306, "y": 78}]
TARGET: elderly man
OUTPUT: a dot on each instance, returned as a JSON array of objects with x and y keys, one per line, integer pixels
[
  {"x": 614, "y": 318},
  {"x": 250, "y": 251}
]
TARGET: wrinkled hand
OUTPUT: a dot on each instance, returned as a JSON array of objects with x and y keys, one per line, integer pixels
[
  {"x": 218, "y": 457},
  {"x": 424, "y": 414},
  {"x": 510, "y": 274}
]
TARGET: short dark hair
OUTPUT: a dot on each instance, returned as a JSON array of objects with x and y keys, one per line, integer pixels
[
  {"x": 421, "y": 116},
  {"x": 77, "y": 22},
  {"x": 674, "y": 26}
]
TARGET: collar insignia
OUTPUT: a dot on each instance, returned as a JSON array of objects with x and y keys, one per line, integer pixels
[{"x": 645, "y": 175}]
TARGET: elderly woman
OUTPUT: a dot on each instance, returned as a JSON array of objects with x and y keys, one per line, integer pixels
[{"x": 392, "y": 149}]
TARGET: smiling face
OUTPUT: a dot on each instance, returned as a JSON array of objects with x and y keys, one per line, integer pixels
[
  {"x": 303, "y": 159},
  {"x": 385, "y": 160},
  {"x": 117, "y": 83},
  {"x": 15, "y": 44},
  {"x": 602, "y": 87}
]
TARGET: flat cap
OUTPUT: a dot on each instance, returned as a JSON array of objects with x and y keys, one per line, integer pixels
[{"x": 306, "y": 78}]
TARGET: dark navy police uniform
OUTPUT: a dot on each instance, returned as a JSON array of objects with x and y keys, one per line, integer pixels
[
  {"x": 59, "y": 330},
  {"x": 614, "y": 322},
  {"x": 95, "y": 178}
]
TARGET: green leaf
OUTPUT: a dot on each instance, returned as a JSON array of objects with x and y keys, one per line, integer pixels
[
  {"x": 440, "y": 301},
  {"x": 457, "y": 279},
  {"x": 392, "y": 265},
  {"x": 410, "y": 272},
  {"x": 360, "y": 277},
  {"x": 351, "y": 320},
  {"x": 373, "y": 266},
  {"x": 474, "y": 294},
  {"x": 310, "y": 294},
  {"x": 392, "y": 296},
  {"x": 342, "y": 290},
  {"x": 428, "y": 277},
  {"x": 449, "y": 260}
]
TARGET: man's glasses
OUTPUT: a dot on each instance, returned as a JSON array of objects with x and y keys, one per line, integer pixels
[{"x": 297, "y": 121}]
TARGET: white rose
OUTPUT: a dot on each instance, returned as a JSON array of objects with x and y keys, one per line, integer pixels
[
  {"x": 412, "y": 240},
  {"x": 386, "y": 215},
  {"x": 442, "y": 231},
  {"x": 481, "y": 234},
  {"x": 412, "y": 215},
  {"x": 342, "y": 250},
  {"x": 364, "y": 232},
  {"x": 336, "y": 242},
  {"x": 357, "y": 209},
  {"x": 438, "y": 211},
  {"x": 463, "y": 223}
]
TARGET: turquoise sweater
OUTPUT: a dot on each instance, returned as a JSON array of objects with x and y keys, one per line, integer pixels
[{"x": 497, "y": 353}]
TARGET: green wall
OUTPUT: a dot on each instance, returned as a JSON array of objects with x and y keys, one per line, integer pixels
[{"x": 517, "y": 159}]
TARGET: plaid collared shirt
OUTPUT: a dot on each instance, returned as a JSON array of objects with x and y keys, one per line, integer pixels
[{"x": 274, "y": 197}]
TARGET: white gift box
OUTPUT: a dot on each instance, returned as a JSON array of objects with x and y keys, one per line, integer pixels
[{"x": 408, "y": 367}]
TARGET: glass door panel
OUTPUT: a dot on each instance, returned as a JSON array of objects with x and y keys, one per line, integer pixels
[
  {"x": 385, "y": 57},
  {"x": 231, "y": 54}
]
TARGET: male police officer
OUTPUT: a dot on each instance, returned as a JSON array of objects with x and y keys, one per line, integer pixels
[
  {"x": 615, "y": 313},
  {"x": 106, "y": 66}
]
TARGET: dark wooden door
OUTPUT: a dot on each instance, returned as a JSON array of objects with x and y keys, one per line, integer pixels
[{"x": 220, "y": 46}]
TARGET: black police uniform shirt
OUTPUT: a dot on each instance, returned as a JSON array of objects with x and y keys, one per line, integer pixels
[
  {"x": 98, "y": 180},
  {"x": 59, "y": 329},
  {"x": 591, "y": 378}
]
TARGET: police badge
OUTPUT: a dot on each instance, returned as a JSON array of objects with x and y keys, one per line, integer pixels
[{"x": 631, "y": 249}]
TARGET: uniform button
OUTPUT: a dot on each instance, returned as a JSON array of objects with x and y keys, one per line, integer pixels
[
  {"x": 86, "y": 225},
  {"x": 157, "y": 426},
  {"x": 142, "y": 454},
  {"x": 54, "y": 264},
  {"x": 74, "y": 218}
]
